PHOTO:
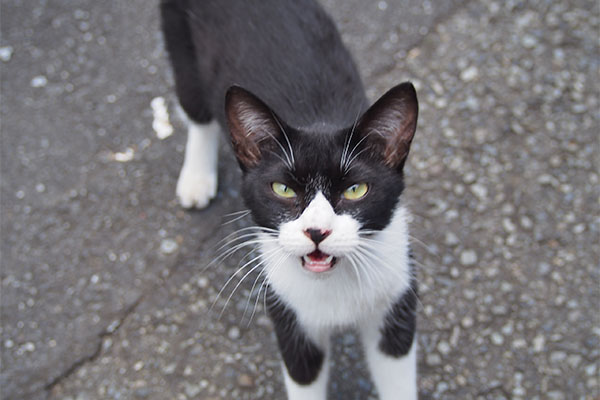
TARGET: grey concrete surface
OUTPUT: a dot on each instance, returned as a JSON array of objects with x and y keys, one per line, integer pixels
[{"x": 104, "y": 290}]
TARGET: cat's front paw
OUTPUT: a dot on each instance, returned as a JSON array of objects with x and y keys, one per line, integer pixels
[{"x": 196, "y": 188}]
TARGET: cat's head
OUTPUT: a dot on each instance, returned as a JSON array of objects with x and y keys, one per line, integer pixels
[{"x": 319, "y": 189}]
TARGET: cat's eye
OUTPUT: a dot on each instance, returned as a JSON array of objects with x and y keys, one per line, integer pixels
[
  {"x": 282, "y": 190},
  {"x": 356, "y": 191}
]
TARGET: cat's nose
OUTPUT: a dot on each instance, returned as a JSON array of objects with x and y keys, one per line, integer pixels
[{"x": 317, "y": 235}]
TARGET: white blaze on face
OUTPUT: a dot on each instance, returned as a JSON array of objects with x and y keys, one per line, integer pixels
[{"x": 342, "y": 235}]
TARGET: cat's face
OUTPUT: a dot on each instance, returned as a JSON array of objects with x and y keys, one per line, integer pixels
[{"x": 318, "y": 191}]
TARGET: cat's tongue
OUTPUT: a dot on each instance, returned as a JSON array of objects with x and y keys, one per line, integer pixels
[{"x": 317, "y": 261}]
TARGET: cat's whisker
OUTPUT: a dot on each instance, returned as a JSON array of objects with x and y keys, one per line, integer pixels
[
  {"x": 238, "y": 215},
  {"x": 286, "y": 163},
  {"x": 236, "y": 287},
  {"x": 347, "y": 142},
  {"x": 289, "y": 158},
  {"x": 230, "y": 251},
  {"x": 286, "y": 139},
  {"x": 412, "y": 276},
  {"x": 275, "y": 252},
  {"x": 418, "y": 241},
  {"x": 264, "y": 284},
  {"x": 263, "y": 259},
  {"x": 371, "y": 256},
  {"x": 354, "y": 158},
  {"x": 354, "y": 149},
  {"x": 256, "y": 229},
  {"x": 250, "y": 294},
  {"x": 372, "y": 268},
  {"x": 231, "y": 278}
]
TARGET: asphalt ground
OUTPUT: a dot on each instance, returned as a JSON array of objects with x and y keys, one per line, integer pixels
[{"x": 104, "y": 290}]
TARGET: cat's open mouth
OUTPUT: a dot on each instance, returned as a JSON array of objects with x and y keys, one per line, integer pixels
[{"x": 317, "y": 261}]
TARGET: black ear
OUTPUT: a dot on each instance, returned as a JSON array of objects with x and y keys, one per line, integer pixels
[
  {"x": 389, "y": 125},
  {"x": 250, "y": 122}
]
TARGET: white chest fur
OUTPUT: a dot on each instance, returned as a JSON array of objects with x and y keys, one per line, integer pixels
[{"x": 372, "y": 270}]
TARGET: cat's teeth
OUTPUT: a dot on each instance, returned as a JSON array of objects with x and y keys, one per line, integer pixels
[{"x": 328, "y": 260}]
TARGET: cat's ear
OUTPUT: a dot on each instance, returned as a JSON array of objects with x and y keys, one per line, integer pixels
[
  {"x": 389, "y": 125},
  {"x": 252, "y": 125}
]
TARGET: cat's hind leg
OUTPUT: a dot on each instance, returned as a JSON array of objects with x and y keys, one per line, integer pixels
[
  {"x": 197, "y": 183},
  {"x": 391, "y": 349}
]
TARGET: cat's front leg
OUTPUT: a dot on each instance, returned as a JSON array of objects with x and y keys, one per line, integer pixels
[
  {"x": 391, "y": 350},
  {"x": 305, "y": 353},
  {"x": 197, "y": 183}
]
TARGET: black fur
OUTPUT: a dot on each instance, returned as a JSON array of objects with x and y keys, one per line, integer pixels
[
  {"x": 288, "y": 53},
  {"x": 398, "y": 332},
  {"x": 302, "y": 358}
]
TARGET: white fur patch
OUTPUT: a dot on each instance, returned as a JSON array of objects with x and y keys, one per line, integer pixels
[
  {"x": 197, "y": 183},
  {"x": 395, "y": 378},
  {"x": 370, "y": 273}
]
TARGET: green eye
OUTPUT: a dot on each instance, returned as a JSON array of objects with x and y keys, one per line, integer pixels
[
  {"x": 282, "y": 190},
  {"x": 356, "y": 191}
]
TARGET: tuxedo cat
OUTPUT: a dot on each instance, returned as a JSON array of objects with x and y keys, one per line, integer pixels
[{"x": 322, "y": 176}]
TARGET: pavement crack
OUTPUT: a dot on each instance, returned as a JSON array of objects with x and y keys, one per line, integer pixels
[{"x": 110, "y": 330}]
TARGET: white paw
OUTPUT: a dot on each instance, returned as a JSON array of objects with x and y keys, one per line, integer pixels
[{"x": 196, "y": 188}]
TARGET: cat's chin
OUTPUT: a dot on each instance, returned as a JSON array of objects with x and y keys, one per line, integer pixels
[{"x": 318, "y": 262}]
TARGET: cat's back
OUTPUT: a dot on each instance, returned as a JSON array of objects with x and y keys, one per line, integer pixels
[{"x": 289, "y": 53}]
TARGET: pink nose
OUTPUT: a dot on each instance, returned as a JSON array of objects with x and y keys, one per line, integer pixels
[{"x": 316, "y": 235}]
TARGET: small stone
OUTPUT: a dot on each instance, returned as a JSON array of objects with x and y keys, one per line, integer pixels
[
  {"x": 451, "y": 239},
  {"x": 529, "y": 41},
  {"x": 467, "y": 322},
  {"x": 168, "y": 246},
  {"x": 526, "y": 222},
  {"x": 234, "y": 333},
  {"x": 433, "y": 359},
  {"x": 508, "y": 225},
  {"x": 192, "y": 390},
  {"x": 245, "y": 381},
  {"x": 555, "y": 395},
  {"x": 443, "y": 347},
  {"x": 6, "y": 53},
  {"x": 9, "y": 344},
  {"x": 138, "y": 365},
  {"x": 468, "y": 257},
  {"x": 497, "y": 339},
  {"x": 169, "y": 369},
  {"x": 469, "y": 74},
  {"x": 558, "y": 356},
  {"x": 479, "y": 190},
  {"x": 29, "y": 346},
  {"x": 202, "y": 282},
  {"x": 39, "y": 81},
  {"x": 538, "y": 343}
]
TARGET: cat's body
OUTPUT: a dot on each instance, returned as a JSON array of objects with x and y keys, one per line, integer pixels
[{"x": 322, "y": 175}]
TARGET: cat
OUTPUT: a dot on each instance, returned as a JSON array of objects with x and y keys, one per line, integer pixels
[{"x": 322, "y": 174}]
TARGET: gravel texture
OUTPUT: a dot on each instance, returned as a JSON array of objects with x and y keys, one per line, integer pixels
[{"x": 105, "y": 289}]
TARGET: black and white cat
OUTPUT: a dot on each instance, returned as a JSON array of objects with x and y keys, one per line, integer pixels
[{"x": 322, "y": 176}]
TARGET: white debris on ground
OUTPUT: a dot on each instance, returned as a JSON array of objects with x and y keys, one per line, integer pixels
[
  {"x": 124, "y": 156},
  {"x": 6, "y": 53},
  {"x": 161, "y": 124}
]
